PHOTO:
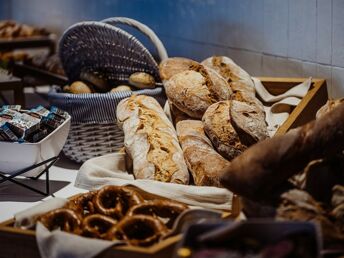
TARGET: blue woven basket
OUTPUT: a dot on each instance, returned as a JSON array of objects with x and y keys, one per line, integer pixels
[{"x": 105, "y": 48}]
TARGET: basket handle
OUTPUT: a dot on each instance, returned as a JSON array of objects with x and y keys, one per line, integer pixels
[{"x": 142, "y": 28}]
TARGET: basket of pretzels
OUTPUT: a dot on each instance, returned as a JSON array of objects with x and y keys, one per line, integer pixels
[{"x": 104, "y": 64}]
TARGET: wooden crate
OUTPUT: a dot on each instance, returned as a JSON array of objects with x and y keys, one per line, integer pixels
[
  {"x": 11, "y": 238},
  {"x": 305, "y": 111}
]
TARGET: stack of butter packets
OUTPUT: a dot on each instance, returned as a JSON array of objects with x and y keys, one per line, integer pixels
[{"x": 17, "y": 125}]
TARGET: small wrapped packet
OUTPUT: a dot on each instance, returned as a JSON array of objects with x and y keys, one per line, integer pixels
[
  {"x": 38, "y": 135},
  {"x": 12, "y": 107},
  {"x": 24, "y": 125},
  {"x": 38, "y": 112},
  {"x": 52, "y": 121},
  {"x": 59, "y": 112},
  {"x": 6, "y": 133},
  {"x": 9, "y": 114}
]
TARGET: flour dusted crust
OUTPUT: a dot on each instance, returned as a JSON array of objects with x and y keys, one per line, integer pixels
[
  {"x": 218, "y": 127},
  {"x": 228, "y": 69},
  {"x": 204, "y": 163},
  {"x": 174, "y": 65},
  {"x": 151, "y": 141}
]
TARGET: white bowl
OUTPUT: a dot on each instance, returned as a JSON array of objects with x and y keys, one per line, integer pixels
[{"x": 16, "y": 156}]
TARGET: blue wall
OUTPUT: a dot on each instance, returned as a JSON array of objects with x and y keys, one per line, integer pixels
[{"x": 266, "y": 37}]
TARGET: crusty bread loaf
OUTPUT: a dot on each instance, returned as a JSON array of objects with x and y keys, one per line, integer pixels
[
  {"x": 204, "y": 163},
  {"x": 193, "y": 91},
  {"x": 151, "y": 141},
  {"x": 229, "y": 70},
  {"x": 248, "y": 121},
  {"x": 330, "y": 105},
  {"x": 218, "y": 127},
  {"x": 264, "y": 167}
]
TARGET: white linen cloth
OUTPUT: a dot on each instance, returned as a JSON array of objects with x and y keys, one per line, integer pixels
[
  {"x": 110, "y": 169},
  {"x": 278, "y": 107}
]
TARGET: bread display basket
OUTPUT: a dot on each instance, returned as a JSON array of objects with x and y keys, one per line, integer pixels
[{"x": 102, "y": 47}]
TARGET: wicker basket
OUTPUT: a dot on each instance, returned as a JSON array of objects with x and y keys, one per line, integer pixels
[{"x": 105, "y": 48}]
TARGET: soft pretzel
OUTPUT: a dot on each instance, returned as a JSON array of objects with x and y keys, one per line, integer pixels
[
  {"x": 97, "y": 225},
  {"x": 63, "y": 219},
  {"x": 115, "y": 201},
  {"x": 159, "y": 208},
  {"x": 138, "y": 230},
  {"x": 82, "y": 204}
]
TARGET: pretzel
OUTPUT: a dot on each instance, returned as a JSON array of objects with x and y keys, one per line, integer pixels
[
  {"x": 138, "y": 230},
  {"x": 115, "y": 201},
  {"x": 159, "y": 209},
  {"x": 97, "y": 225},
  {"x": 63, "y": 219},
  {"x": 82, "y": 204}
]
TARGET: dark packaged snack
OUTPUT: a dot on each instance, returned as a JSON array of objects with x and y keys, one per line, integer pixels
[
  {"x": 12, "y": 107},
  {"x": 59, "y": 112},
  {"x": 9, "y": 114},
  {"x": 6, "y": 133},
  {"x": 38, "y": 135},
  {"x": 39, "y": 112},
  {"x": 52, "y": 121},
  {"x": 24, "y": 125}
]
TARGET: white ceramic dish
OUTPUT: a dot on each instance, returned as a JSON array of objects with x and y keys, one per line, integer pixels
[{"x": 18, "y": 156}]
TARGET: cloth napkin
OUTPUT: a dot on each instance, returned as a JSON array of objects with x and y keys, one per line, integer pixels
[
  {"x": 110, "y": 169},
  {"x": 278, "y": 107}
]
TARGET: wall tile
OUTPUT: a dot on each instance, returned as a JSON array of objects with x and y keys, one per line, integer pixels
[
  {"x": 324, "y": 31},
  {"x": 274, "y": 66},
  {"x": 302, "y": 29},
  {"x": 276, "y": 27},
  {"x": 309, "y": 69},
  {"x": 337, "y": 89},
  {"x": 338, "y": 33}
]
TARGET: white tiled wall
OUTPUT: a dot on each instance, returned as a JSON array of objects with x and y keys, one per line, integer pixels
[{"x": 266, "y": 37}]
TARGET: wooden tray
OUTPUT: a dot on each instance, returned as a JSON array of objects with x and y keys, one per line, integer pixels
[
  {"x": 11, "y": 238},
  {"x": 29, "y": 42},
  {"x": 305, "y": 111}
]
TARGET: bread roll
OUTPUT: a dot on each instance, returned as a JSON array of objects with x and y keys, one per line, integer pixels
[
  {"x": 261, "y": 169},
  {"x": 193, "y": 92},
  {"x": 151, "y": 141},
  {"x": 218, "y": 127},
  {"x": 204, "y": 163},
  {"x": 142, "y": 80},
  {"x": 79, "y": 87},
  {"x": 174, "y": 65}
]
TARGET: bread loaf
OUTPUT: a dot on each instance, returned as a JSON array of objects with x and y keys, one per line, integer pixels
[
  {"x": 151, "y": 141},
  {"x": 193, "y": 91},
  {"x": 204, "y": 163},
  {"x": 218, "y": 127},
  {"x": 229, "y": 70},
  {"x": 262, "y": 168},
  {"x": 172, "y": 66}
]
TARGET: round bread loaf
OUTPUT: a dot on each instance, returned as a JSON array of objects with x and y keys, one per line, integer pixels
[{"x": 193, "y": 91}]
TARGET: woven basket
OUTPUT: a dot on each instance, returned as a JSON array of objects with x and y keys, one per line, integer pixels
[{"x": 105, "y": 48}]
